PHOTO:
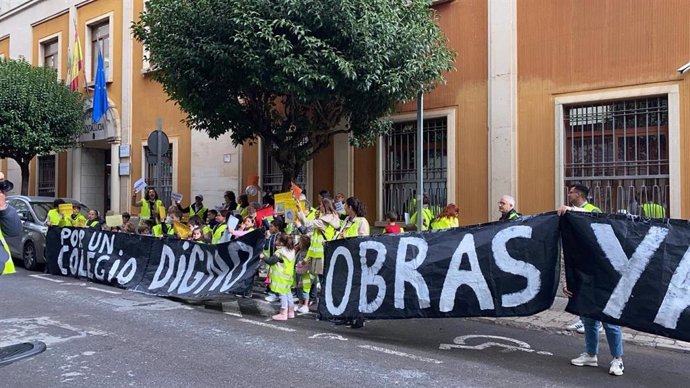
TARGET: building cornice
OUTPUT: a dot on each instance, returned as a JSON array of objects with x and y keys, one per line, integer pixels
[{"x": 53, "y": 16}]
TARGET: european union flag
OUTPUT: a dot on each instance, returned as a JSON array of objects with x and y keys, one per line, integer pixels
[{"x": 100, "y": 92}]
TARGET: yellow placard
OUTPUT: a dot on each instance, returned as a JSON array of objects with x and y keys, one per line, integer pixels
[
  {"x": 284, "y": 202},
  {"x": 161, "y": 213},
  {"x": 65, "y": 209},
  {"x": 182, "y": 230},
  {"x": 113, "y": 221}
]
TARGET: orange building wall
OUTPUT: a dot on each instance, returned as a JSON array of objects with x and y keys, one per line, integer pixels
[
  {"x": 5, "y": 46},
  {"x": 149, "y": 102},
  {"x": 465, "y": 25},
  {"x": 59, "y": 24},
  {"x": 570, "y": 46}
]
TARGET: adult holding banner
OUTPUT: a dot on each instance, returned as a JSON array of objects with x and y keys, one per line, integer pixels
[
  {"x": 577, "y": 196},
  {"x": 324, "y": 228},
  {"x": 56, "y": 217},
  {"x": 355, "y": 226},
  {"x": 10, "y": 225},
  {"x": 151, "y": 206}
]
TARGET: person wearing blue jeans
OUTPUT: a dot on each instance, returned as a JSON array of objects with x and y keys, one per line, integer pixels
[{"x": 577, "y": 196}]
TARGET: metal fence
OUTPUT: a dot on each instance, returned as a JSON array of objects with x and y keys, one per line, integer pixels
[
  {"x": 400, "y": 165},
  {"x": 272, "y": 176},
  {"x": 620, "y": 150},
  {"x": 164, "y": 187},
  {"x": 46, "y": 175}
]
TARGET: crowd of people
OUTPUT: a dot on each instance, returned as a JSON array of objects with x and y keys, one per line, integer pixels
[{"x": 293, "y": 254}]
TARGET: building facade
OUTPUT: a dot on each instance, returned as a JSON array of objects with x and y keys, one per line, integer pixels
[
  {"x": 114, "y": 153},
  {"x": 546, "y": 94}
]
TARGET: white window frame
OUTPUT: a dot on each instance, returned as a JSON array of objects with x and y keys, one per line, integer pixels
[
  {"x": 88, "y": 71},
  {"x": 41, "y": 52},
  {"x": 145, "y": 64},
  {"x": 675, "y": 178},
  {"x": 449, "y": 114}
]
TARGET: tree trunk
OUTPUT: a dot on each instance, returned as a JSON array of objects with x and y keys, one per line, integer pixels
[
  {"x": 24, "y": 166},
  {"x": 288, "y": 177}
]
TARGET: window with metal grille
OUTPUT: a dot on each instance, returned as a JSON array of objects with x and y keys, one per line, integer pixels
[
  {"x": 46, "y": 176},
  {"x": 620, "y": 150},
  {"x": 164, "y": 187},
  {"x": 272, "y": 176},
  {"x": 400, "y": 165}
]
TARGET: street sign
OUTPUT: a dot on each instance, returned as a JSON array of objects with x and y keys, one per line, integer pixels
[{"x": 157, "y": 138}]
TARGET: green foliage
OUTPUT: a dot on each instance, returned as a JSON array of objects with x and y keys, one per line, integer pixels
[
  {"x": 293, "y": 72},
  {"x": 38, "y": 114}
]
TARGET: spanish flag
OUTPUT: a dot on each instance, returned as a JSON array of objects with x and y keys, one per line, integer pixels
[{"x": 74, "y": 62}]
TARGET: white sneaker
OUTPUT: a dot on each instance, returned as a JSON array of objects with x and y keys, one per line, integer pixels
[
  {"x": 586, "y": 360},
  {"x": 616, "y": 368},
  {"x": 302, "y": 309},
  {"x": 271, "y": 298},
  {"x": 581, "y": 329},
  {"x": 576, "y": 325}
]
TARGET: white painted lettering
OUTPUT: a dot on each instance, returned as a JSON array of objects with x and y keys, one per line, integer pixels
[
  {"x": 455, "y": 277},
  {"x": 516, "y": 267},
  {"x": 339, "y": 251},
  {"x": 406, "y": 272},
  {"x": 370, "y": 277}
]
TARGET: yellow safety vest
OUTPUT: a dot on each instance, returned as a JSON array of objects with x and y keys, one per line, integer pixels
[
  {"x": 444, "y": 223},
  {"x": 79, "y": 220},
  {"x": 8, "y": 268},
  {"x": 653, "y": 210},
  {"x": 318, "y": 237},
  {"x": 352, "y": 229},
  {"x": 56, "y": 220},
  {"x": 192, "y": 213},
  {"x": 158, "y": 230},
  {"x": 427, "y": 215},
  {"x": 282, "y": 275},
  {"x": 145, "y": 213},
  {"x": 218, "y": 233}
]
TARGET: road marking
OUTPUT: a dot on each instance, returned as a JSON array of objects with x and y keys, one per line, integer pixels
[
  {"x": 106, "y": 291},
  {"x": 233, "y": 314},
  {"x": 267, "y": 325},
  {"x": 42, "y": 277},
  {"x": 328, "y": 336},
  {"x": 401, "y": 354},
  {"x": 460, "y": 343}
]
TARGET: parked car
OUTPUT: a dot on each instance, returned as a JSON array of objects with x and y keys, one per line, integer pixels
[{"x": 30, "y": 247}]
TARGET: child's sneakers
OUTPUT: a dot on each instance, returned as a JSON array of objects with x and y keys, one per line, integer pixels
[
  {"x": 302, "y": 309},
  {"x": 271, "y": 298}
]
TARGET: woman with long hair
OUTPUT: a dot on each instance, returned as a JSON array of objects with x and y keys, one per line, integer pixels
[{"x": 447, "y": 219}]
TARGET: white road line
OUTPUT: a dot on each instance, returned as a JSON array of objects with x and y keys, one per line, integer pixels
[
  {"x": 233, "y": 314},
  {"x": 267, "y": 325},
  {"x": 106, "y": 291},
  {"x": 42, "y": 277},
  {"x": 401, "y": 354}
]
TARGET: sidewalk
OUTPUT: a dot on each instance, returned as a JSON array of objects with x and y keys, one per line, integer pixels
[
  {"x": 556, "y": 319},
  {"x": 553, "y": 320}
]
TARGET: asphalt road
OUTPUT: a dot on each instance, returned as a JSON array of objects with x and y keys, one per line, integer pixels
[{"x": 103, "y": 336}]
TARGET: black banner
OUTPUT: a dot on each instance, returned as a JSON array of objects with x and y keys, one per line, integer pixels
[
  {"x": 631, "y": 272},
  {"x": 497, "y": 269},
  {"x": 154, "y": 266}
]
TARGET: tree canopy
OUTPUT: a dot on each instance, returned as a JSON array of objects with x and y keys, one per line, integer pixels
[
  {"x": 38, "y": 114},
  {"x": 293, "y": 72}
]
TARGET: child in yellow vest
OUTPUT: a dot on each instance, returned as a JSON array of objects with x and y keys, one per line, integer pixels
[{"x": 282, "y": 275}]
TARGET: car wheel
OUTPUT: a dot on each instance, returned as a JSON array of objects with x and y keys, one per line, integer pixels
[{"x": 29, "y": 256}]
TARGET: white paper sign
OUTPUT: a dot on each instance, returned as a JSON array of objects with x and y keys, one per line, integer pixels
[
  {"x": 139, "y": 185},
  {"x": 232, "y": 222},
  {"x": 177, "y": 197},
  {"x": 407, "y": 218},
  {"x": 339, "y": 207}
]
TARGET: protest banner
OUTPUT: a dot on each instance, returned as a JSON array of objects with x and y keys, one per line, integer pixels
[
  {"x": 166, "y": 267},
  {"x": 628, "y": 271},
  {"x": 496, "y": 270}
]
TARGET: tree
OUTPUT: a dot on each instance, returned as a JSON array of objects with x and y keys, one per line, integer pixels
[
  {"x": 38, "y": 114},
  {"x": 293, "y": 72}
]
